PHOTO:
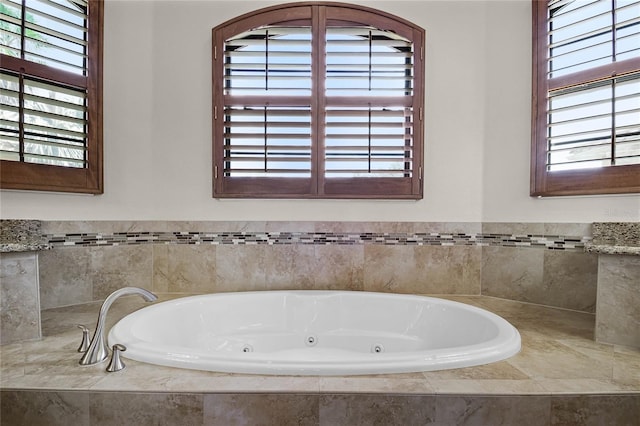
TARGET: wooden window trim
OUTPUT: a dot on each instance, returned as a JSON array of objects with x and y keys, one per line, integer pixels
[
  {"x": 42, "y": 177},
  {"x": 605, "y": 180},
  {"x": 319, "y": 14}
]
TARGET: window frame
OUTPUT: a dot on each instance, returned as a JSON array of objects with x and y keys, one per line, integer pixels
[
  {"x": 318, "y": 14},
  {"x": 590, "y": 181},
  {"x": 43, "y": 177}
]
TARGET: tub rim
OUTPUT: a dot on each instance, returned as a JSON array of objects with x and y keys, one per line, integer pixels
[{"x": 506, "y": 344}]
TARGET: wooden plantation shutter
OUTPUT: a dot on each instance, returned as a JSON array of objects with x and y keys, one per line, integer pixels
[
  {"x": 50, "y": 95},
  {"x": 324, "y": 104},
  {"x": 586, "y": 137},
  {"x": 267, "y": 109},
  {"x": 49, "y": 128}
]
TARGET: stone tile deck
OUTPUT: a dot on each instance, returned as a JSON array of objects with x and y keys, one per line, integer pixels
[{"x": 560, "y": 370}]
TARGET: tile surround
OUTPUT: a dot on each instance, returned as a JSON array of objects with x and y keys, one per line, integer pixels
[
  {"x": 618, "y": 247},
  {"x": 450, "y": 258},
  {"x": 422, "y": 269},
  {"x": 35, "y": 408},
  {"x": 82, "y": 274},
  {"x": 447, "y": 258},
  {"x": 564, "y": 279}
]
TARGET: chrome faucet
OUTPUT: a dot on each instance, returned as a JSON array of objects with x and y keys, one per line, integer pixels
[{"x": 98, "y": 350}]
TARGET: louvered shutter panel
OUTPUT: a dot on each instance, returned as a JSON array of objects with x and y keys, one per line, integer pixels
[
  {"x": 373, "y": 138},
  {"x": 267, "y": 141},
  {"x": 595, "y": 122},
  {"x": 56, "y": 34},
  {"x": 267, "y": 134},
  {"x": 42, "y": 121}
]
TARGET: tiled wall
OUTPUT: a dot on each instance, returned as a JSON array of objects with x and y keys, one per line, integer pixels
[
  {"x": 560, "y": 278},
  {"x": 538, "y": 263}
]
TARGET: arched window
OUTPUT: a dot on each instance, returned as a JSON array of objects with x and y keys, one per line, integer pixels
[{"x": 318, "y": 100}]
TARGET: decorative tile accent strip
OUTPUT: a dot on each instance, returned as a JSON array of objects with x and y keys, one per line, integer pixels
[{"x": 551, "y": 242}]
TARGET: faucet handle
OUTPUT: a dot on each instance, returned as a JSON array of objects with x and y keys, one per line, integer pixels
[
  {"x": 116, "y": 363},
  {"x": 84, "y": 345}
]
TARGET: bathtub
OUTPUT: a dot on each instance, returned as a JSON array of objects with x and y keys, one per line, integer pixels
[{"x": 315, "y": 333}]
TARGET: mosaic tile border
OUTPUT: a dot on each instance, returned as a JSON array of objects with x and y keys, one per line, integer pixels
[{"x": 551, "y": 242}]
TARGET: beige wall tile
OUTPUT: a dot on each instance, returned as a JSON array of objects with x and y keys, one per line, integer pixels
[
  {"x": 290, "y": 267},
  {"x": 512, "y": 273},
  {"x": 140, "y": 409},
  {"x": 423, "y": 269},
  {"x": 367, "y": 409},
  {"x": 618, "y": 306},
  {"x": 260, "y": 409},
  {"x": 596, "y": 410},
  {"x": 19, "y": 299},
  {"x": 568, "y": 229},
  {"x": 184, "y": 268},
  {"x": 445, "y": 227},
  {"x": 114, "y": 267},
  {"x": 44, "y": 408},
  {"x": 569, "y": 280},
  {"x": 64, "y": 277},
  {"x": 360, "y": 227},
  {"x": 393, "y": 269},
  {"x": 314, "y": 267},
  {"x": 477, "y": 410},
  {"x": 453, "y": 269},
  {"x": 228, "y": 226},
  {"x": 339, "y": 267},
  {"x": 93, "y": 226},
  {"x": 241, "y": 267},
  {"x": 290, "y": 226},
  {"x": 514, "y": 228}
]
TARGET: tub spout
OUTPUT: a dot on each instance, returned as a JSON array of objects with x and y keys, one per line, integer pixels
[{"x": 98, "y": 350}]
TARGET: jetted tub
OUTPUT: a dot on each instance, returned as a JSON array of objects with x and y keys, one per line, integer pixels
[{"x": 315, "y": 333}]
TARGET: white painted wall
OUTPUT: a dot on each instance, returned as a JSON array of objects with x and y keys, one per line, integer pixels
[{"x": 158, "y": 128}]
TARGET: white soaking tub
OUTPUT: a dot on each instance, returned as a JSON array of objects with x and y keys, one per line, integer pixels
[{"x": 315, "y": 333}]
